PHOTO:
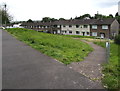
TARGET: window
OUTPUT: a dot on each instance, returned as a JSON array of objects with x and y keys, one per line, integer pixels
[
  {"x": 94, "y": 26},
  {"x": 77, "y": 26},
  {"x": 88, "y": 33},
  {"x": 94, "y": 33},
  {"x": 70, "y": 32},
  {"x": 77, "y": 32},
  {"x": 65, "y": 31},
  {"x": 37, "y": 26},
  {"x": 55, "y": 26},
  {"x": 70, "y": 25},
  {"x": 85, "y": 26},
  {"x": 104, "y": 26},
  {"x": 64, "y": 26}
]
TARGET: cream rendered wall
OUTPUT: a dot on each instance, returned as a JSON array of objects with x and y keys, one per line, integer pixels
[{"x": 74, "y": 29}]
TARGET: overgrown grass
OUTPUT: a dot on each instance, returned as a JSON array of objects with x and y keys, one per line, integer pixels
[
  {"x": 111, "y": 70},
  {"x": 64, "y": 49},
  {"x": 79, "y": 36}
]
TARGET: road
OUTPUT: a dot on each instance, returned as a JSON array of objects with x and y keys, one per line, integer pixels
[{"x": 26, "y": 68}]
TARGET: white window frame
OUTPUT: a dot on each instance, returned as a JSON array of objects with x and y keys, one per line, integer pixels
[
  {"x": 94, "y": 26},
  {"x": 104, "y": 26},
  {"x": 94, "y": 33}
]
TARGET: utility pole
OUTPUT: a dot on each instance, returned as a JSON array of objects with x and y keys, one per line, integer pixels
[
  {"x": 5, "y": 14},
  {"x": 1, "y": 18}
]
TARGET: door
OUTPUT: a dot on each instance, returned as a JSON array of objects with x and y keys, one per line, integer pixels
[
  {"x": 83, "y": 33},
  {"x": 102, "y": 35}
]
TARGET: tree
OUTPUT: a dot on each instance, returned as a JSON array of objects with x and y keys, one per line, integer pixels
[
  {"x": 116, "y": 14},
  {"x": 61, "y": 19},
  {"x": 30, "y": 21},
  {"x": 6, "y": 17},
  {"x": 53, "y": 19},
  {"x": 117, "y": 17},
  {"x": 85, "y": 16},
  {"x": 111, "y": 16},
  {"x": 46, "y": 19}
]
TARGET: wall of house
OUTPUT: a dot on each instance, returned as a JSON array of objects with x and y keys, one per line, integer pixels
[
  {"x": 100, "y": 31},
  {"x": 114, "y": 28},
  {"x": 81, "y": 29}
]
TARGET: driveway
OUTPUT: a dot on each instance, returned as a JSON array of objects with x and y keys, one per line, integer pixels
[{"x": 27, "y": 68}]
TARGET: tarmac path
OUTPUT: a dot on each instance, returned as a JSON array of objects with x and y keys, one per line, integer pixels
[{"x": 26, "y": 68}]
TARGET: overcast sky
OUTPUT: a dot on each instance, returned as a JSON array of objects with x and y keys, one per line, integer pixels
[{"x": 23, "y": 10}]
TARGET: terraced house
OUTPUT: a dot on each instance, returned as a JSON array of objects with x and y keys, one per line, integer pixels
[{"x": 104, "y": 28}]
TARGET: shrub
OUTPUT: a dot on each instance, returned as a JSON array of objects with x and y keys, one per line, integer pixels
[{"x": 117, "y": 39}]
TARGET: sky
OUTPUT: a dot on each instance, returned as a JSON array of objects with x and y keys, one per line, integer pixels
[{"x": 22, "y": 10}]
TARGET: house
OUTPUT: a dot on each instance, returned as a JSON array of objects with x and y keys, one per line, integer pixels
[
  {"x": 77, "y": 27},
  {"x": 104, "y": 28}
]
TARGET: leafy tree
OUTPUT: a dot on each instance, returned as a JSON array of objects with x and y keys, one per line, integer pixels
[
  {"x": 117, "y": 17},
  {"x": 53, "y": 19},
  {"x": 30, "y": 21},
  {"x": 117, "y": 39},
  {"x": 99, "y": 16},
  {"x": 84, "y": 16},
  {"x": 5, "y": 16},
  {"x": 111, "y": 16},
  {"x": 46, "y": 19},
  {"x": 116, "y": 14},
  {"x": 61, "y": 19}
]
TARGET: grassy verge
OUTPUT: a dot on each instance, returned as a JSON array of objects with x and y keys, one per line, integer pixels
[
  {"x": 64, "y": 49},
  {"x": 78, "y": 36},
  {"x": 112, "y": 69}
]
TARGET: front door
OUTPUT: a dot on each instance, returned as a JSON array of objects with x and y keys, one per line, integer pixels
[
  {"x": 102, "y": 35},
  {"x": 83, "y": 33}
]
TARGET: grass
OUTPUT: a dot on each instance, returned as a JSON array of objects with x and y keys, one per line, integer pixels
[
  {"x": 62, "y": 48},
  {"x": 79, "y": 36},
  {"x": 111, "y": 70}
]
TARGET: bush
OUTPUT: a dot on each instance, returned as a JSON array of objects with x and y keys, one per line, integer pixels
[{"x": 117, "y": 39}]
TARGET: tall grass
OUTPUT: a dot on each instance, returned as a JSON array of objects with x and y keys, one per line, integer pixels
[
  {"x": 64, "y": 49},
  {"x": 78, "y": 36},
  {"x": 111, "y": 70}
]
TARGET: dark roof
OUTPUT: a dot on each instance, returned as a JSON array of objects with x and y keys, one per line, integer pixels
[
  {"x": 104, "y": 21},
  {"x": 74, "y": 22}
]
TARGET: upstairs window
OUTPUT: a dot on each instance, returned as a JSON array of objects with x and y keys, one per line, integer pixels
[
  {"x": 77, "y": 26},
  {"x": 85, "y": 26},
  {"x": 104, "y": 26},
  {"x": 94, "y": 26},
  {"x": 64, "y": 26}
]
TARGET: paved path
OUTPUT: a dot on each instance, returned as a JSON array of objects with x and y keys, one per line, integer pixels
[
  {"x": 26, "y": 68},
  {"x": 91, "y": 66}
]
